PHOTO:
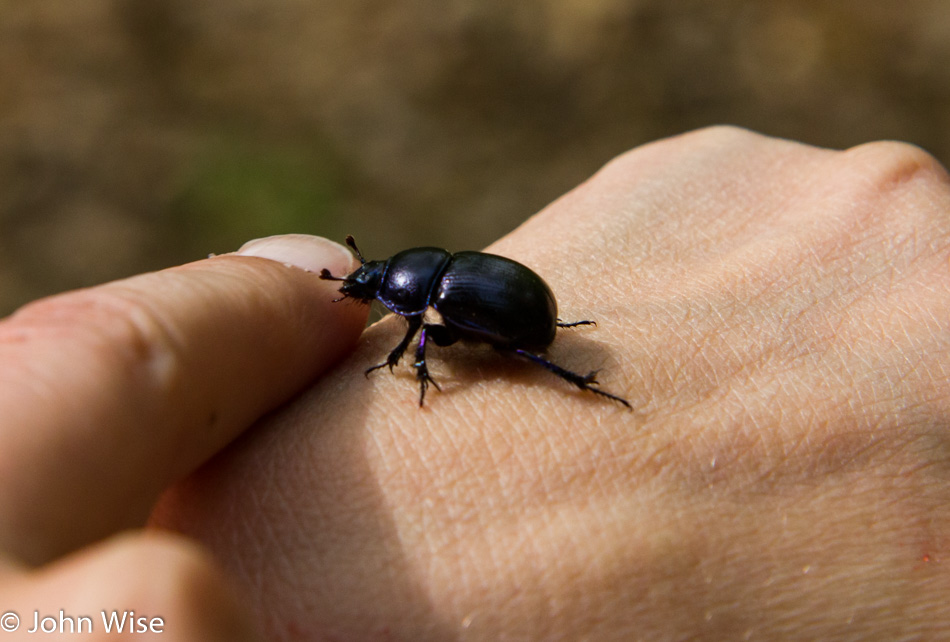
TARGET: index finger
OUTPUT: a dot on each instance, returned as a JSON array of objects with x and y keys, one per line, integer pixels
[{"x": 109, "y": 394}]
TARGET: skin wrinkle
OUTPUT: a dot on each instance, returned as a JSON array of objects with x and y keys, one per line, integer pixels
[
  {"x": 354, "y": 506},
  {"x": 402, "y": 443},
  {"x": 892, "y": 385},
  {"x": 260, "y": 537},
  {"x": 522, "y": 552},
  {"x": 284, "y": 503},
  {"x": 749, "y": 438},
  {"x": 851, "y": 450},
  {"x": 452, "y": 475},
  {"x": 255, "y": 580},
  {"x": 695, "y": 344}
]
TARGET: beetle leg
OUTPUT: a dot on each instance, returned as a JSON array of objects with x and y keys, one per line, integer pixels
[
  {"x": 415, "y": 322},
  {"x": 422, "y": 370},
  {"x": 573, "y": 324},
  {"x": 584, "y": 382}
]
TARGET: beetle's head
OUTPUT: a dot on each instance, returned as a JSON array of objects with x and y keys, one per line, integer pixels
[{"x": 363, "y": 284}]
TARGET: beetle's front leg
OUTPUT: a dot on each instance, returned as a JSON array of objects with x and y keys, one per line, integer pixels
[
  {"x": 415, "y": 322},
  {"x": 442, "y": 337}
]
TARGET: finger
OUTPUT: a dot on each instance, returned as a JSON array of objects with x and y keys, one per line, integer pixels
[
  {"x": 132, "y": 584},
  {"x": 109, "y": 394}
]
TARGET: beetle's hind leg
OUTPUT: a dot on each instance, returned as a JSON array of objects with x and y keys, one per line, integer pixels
[
  {"x": 574, "y": 324},
  {"x": 441, "y": 336},
  {"x": 415, "y": 322},
  {"x": 584, "y": 382}
]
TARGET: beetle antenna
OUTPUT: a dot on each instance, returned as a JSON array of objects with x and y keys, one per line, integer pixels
[
  {"x": 326, "y": 276},
  {"x": 352, "y": 243}
]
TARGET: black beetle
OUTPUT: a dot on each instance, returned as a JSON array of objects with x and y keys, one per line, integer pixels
[{"x": 481, "y": 297}]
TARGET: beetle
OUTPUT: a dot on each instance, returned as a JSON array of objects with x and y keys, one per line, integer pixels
[{"x": 481, "y": 297}]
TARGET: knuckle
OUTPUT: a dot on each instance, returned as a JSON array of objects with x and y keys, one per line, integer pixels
[
  {"x": 716, "y": 139},
  {"x": 725, "y": 135},
  {"x": 888, "y": 193},
  {"x": 887, "y": 165}
]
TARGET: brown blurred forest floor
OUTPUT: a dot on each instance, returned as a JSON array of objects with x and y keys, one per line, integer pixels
[{"x": 137, "y": 134}]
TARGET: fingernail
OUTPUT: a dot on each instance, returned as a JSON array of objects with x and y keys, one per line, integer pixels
[{"x": 311, "y": 253}]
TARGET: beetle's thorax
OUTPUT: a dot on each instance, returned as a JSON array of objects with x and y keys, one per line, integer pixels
[{"x": 410, "y": 278}]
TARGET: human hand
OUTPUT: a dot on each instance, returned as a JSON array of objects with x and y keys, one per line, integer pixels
[
  {"x": 110, "y": 394},
  {"x": 777, "y": 316}
]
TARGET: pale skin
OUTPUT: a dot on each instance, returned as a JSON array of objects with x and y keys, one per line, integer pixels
[{"x": 777, "y": 315}]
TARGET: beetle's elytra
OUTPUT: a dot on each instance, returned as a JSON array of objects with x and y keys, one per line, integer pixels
[{"x": 481, "y": 297}]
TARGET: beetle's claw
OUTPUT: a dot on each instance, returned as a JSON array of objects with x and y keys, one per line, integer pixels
[
  {"x": 391, "y": 361},
  {"x": 377, "y": 367},
  {"x": 422, "y": 375},
  {"x": 574, "y": 324},
  {"x": 610, "y": 396}
]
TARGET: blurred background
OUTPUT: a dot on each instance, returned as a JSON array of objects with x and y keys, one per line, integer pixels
[{"x": 138, "y": 134}]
